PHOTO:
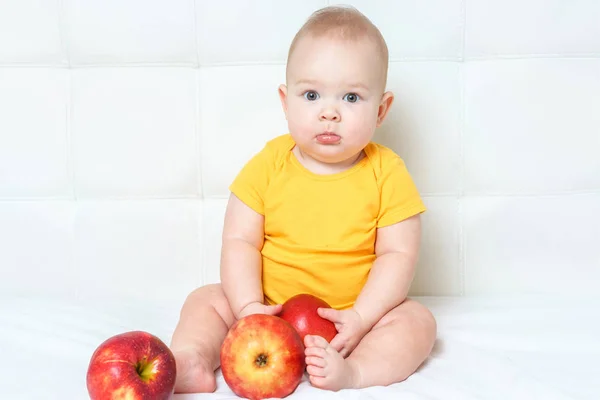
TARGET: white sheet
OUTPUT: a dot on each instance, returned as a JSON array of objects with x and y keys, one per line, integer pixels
[{"x": 534, "y": 348}]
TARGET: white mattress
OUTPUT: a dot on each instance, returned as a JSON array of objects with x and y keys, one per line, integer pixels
[{"x": 534, "y": 348}]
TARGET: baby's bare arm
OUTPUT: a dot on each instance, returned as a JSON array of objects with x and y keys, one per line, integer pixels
[
  {"x": 241, "y": 264},
  {"x": 397, "y": 248}
]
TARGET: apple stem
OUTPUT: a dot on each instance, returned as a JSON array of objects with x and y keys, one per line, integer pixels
[{"x": 144, "y": 369}]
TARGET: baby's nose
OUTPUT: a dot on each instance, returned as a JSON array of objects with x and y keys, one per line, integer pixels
[{"x": 329, "y": 115}]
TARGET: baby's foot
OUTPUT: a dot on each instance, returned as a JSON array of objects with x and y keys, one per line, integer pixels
[
  {"x": 326, "y": 368},
  {"x": 194, "y": 373}
]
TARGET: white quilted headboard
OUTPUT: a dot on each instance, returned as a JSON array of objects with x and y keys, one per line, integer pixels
[{"x": 122, "y": 123}]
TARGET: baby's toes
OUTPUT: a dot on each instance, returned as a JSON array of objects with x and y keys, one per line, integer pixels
[
  {"x": 309, "y": 341},
  {"x": 316, "y": 361},
  {"x": 315, "y": 352},
  {"x": 318, "y": 381},
  {"x": 315, "y": 371},
  {"x": 319, "y": 341}
]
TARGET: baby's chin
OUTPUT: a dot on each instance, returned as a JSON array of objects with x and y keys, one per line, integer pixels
[{"x": 331, "y": 153}]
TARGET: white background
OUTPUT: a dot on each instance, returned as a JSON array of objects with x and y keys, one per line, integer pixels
[{"x": 122, "y": 124}]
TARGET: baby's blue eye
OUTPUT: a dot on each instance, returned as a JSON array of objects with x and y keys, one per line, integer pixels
[
  {"x": 311, "y": 95},
  {"x": 351, "y": 97}
]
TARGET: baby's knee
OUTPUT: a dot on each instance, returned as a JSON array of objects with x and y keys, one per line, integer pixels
[
  {"x": 204, "y": 295},
  {"x": 419, "y": 316},
  {"x": 200, "y": 292},
  {"x": 208, "y": 298},
  {"x": 426, "y": 319}
]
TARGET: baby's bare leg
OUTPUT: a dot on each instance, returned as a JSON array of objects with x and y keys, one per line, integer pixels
[
  {"x": 397, "y": 345},
  {"x": 204, "y": 321},
  {"x": 391, "y": 352}
]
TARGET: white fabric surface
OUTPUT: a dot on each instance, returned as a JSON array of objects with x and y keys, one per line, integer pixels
[
  {"x": 112, "y": 137},
  {"x": 494, "y": 348}
]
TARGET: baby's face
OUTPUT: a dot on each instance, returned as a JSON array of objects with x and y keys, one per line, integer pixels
[{"x": 334, "y": 90}]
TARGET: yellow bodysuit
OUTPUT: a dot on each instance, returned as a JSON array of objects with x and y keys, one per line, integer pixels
[{"x": 320, "y": 230}]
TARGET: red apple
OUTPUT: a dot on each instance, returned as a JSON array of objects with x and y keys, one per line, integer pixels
[
  {"x": 134, "y": 366},
  {"x": 262, "y": 356},
  {"x": 301, "y": 312}
]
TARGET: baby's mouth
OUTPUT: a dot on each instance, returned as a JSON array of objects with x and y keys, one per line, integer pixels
[{"x": 328, "y": 138}]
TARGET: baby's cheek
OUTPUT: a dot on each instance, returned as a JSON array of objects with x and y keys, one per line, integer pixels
[
  {"x": 360, "y": 128},
  {"x": 300, "y": 126}
]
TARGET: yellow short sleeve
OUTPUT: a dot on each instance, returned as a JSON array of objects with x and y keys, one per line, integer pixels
[
  {"x": 400, "y": 198},
  {"x": 251, "y": 182}
]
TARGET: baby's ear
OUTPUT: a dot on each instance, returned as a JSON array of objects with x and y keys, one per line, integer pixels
[
  {"x": 283, "y": 97},
  {"x": 386, "y": 102}
]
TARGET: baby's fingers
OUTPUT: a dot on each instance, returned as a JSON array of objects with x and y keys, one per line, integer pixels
[
  {"x": 331, "y": 314},
  {"x": 343, "y": 352},
  {"x": 273, "y": 310},
  {"x": 338, "y": 342}
]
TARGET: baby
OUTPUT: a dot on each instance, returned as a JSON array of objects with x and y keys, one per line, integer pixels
[{"x": 321, "y": 210}]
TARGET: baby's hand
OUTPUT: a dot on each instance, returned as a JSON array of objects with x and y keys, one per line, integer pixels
[
  {"x": 259, "y": 308},
  {"x": 350, "y": 326}
]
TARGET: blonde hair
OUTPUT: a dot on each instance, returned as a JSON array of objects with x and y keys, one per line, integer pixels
[{"x": 345, "y": 23}]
